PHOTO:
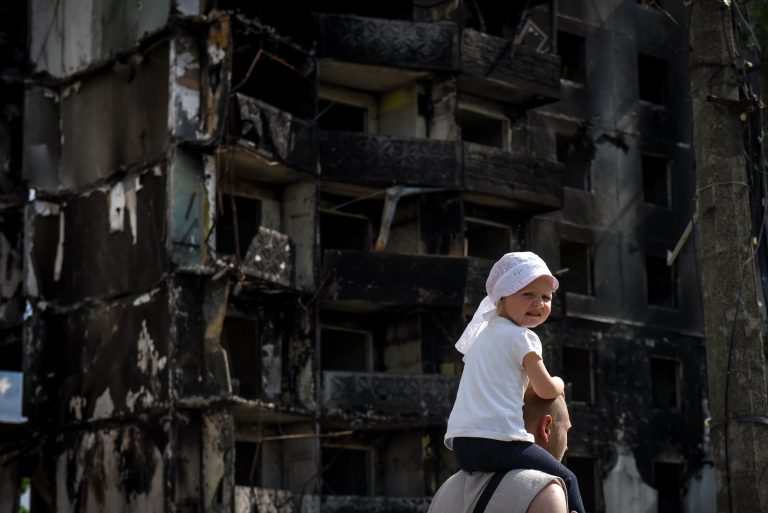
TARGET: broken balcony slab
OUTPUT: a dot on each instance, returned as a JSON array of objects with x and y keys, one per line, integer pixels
[
  {"x": 524, "y": 182},
  {"x": 374, "y": 280},
  {"x": 384, "y": 160},
  {"x": 99, "y": 362},
  {"x": 100, "y": 244},
  {"x": 495, "y": 68},
  {"x": 410, "y": 399},
  {"x": 283, "y": 140},
  {"x": 248, "y": 411}
]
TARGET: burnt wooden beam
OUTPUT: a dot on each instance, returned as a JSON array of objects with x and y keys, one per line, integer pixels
[
  {"x": 378, "y": 279},
  {"x": 384, "y": 160}
]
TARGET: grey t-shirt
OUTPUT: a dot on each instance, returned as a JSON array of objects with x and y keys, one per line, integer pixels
[{"x": 517, "y": 489}]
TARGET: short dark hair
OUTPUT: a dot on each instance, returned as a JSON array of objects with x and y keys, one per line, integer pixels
[{"x": 534, "y": 407}]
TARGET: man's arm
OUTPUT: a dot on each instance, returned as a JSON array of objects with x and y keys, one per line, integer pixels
[{"x": 551, "y": 499}]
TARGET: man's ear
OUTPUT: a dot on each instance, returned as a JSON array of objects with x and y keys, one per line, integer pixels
[{"x": 544, "y": 427}]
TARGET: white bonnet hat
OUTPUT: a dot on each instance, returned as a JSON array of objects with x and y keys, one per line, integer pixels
[{"x": 511, "y": 273}]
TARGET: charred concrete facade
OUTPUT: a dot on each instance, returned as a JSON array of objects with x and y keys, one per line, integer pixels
[{"x": 244, "y": 237}]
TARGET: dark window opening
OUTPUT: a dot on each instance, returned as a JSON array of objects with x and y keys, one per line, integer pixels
[
  {"x": 247, "y": 468},
  {"x": 665, "y": 383},
  {"x": 657, "y": 188},
  {"x": 346, "y": 471},
  {"x": 480, "y": 129},
  {"x": 577, "y": 370},
  {"x": 577, "y": 258},
  {"x": 495, "y": 17},
  {"x": 11, "y": 351},
  {"x": 669, "y": 485},
  {"x": 585, "y": 469},
  {"x": 573, "y": 60},
  {"x": 344, "y": 231},
  {"x": 256, "y": 77},
  {"x": 345, "y": 350},
  {"x": 342, "y": 117},
  {"x": 661, "y": 281},
  {"x": 241, "y": 340},
  {"x": 652, "y": 79},
  {"x": 247, "y": 212},
  {"x": 577, "y": 163},
  {"x": 485, "y": 240}
]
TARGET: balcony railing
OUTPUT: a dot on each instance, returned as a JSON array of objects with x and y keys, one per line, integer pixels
[
  {"x": 393, "y": 279},
  {"x": 383, "y": 161},
  {"x": 487, "y": 65},
  {"x": 425, "y": 398}
]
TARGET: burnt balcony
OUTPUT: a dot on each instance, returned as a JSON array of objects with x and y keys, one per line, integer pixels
[
  {"x": 375, "y": 280},
  {"x": 271, "y": 144},
  {"x": 494, "y": 68},
  {"x": 382, "y": 161},
  {"x": 532, "y": 184},
  {"x": 424, "y": 399},
  {"x": 254, "y": 498},
  {"x": 377, "y": 54},
  {"x": 363, "y": 504}
]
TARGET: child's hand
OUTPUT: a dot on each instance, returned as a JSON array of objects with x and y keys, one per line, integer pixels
[{"x": 560, "y": 382}]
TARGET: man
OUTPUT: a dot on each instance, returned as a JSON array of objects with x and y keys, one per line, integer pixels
[{"x": 520, "y": 491}]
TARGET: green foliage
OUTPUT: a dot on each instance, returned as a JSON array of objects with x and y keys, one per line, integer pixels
[{"x": 25, "y": 486}]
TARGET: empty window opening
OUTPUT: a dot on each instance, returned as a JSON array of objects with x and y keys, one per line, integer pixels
[
  {"x": 577, "y": 258},
  {"x": 577, "y": 163},
  {"x": 342, "y": 117},
  {"x": 487, "y": 240},
  {"x": 247, "y": 467},
  {"x": 669, "y": 485},
  {"x": 256, "y": 76},
  {"x": 661, "y": 281},
  {"x": 345, "y": 350},
  {"x": 11, "y": 351},
  {"x": 572, "y": 51},
  {"x": 665, "y": 383},
  {"x": 495, "y": 17},
  {"x": 237, "y": 224},
  {"x": 585, "y": 469},
  {"x": 482, "y": 129},
  {"x": 657, "y": 186},
  {"x": 241, "y": 340},
  {"x": 344, "y": 231},
  {"x": 652, "y": 79},
  {"x": 577, "y": 370},
  {"x": 346, "y": 471}
]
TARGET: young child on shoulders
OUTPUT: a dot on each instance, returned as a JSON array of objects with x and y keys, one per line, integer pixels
[{"x": 501, "y": 357}]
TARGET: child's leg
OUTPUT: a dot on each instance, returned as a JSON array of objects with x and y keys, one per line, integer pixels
[{"x": 485, "y": 455}]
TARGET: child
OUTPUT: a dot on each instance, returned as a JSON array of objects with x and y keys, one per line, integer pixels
[{"x": 486, "y": 430}]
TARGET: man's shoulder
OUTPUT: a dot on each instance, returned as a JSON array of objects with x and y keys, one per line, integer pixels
[{"x": 517, "y": 489}]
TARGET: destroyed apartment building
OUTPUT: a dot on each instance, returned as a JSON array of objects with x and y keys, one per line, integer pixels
[{"x": 240, "y": 238}]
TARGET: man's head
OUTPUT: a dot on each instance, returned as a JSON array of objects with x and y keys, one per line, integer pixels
[{"x": 548, "y": 421}]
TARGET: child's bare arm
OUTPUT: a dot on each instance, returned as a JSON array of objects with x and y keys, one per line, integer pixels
[{"x": 545, "y": 386}]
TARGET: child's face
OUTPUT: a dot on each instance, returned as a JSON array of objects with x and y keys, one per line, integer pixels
[{"x": 531, "y": 305}]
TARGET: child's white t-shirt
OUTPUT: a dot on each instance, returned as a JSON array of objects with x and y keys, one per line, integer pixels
[{"x": 489, "y": 403}]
